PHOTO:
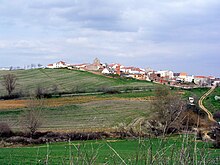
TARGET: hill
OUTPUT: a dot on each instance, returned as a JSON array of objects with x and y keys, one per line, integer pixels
[{"x": 69, "y": 81}]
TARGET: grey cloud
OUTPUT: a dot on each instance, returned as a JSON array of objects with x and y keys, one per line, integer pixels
[{"x": 133, "y": 32}]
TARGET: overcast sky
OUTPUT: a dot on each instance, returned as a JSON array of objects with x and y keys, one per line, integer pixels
[{"x": 180, "y": 35}]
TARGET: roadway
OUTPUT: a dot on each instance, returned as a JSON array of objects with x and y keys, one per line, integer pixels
[{"x": 210, "y": 116}]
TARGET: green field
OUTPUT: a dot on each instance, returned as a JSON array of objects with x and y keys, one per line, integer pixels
[
  {"x": 210, "y": 103},
  {"x": 90, "y": 116},
  {"x": 68, "y": 81},
  {"x": 173, "y": 150},
  {"x": 195, "y": 93}
]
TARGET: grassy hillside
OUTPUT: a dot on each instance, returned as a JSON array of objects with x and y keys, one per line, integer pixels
[
  {"x": 68, "y": 81},
  {"x": 210, "y": 103}
]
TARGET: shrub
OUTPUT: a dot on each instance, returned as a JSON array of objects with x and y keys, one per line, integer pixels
[
  {"x": 217, "y": 115},
  {"x": 217, "y": 136},
  {"x": 111, "y": 91},
  {"x": 5, "y": 130}
]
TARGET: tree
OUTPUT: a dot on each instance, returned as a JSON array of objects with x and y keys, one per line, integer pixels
[
  {"x": 31, "y": 119},
  {"x": 9, "y": 82},
  {"x": 168, "y": 108}
]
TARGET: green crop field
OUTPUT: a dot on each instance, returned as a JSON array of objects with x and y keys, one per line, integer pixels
[
  {"x": 89, "y": 116},
  {"x": 172, "y": 150},
  {"x": 68, "y": 81}
]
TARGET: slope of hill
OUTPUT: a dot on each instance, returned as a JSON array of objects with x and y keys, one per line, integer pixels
[{"x": 68, "y": 81}]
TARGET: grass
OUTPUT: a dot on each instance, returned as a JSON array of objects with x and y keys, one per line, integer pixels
[
  {"x": 172, "y": 150},
  {"x": 69, "y": 81},
  {"x": 89, "y": 116},
  {"x": 210, "y": 102},
  {"x": 196, "y": 93}
]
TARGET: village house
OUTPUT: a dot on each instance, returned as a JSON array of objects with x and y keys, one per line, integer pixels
[
  {"x": 95, "y": 66},
  {"x": 182, "y": 76},
  {"x": 216, "y": 82},
  {"x": 59, "y": 64},
  {"x": 153, "y": 76},
  {"x": 133, "y": 72},
  {"x": 202, "y": 80},
  {"x": 114, "y": 66},
  {"x": 78, "y": 66},
  {"x": 108, "y": 70},
  {"x": 165, "y": 74},
  {"x": 136, "y": 76},
  {"x": 189, "y": 78}
]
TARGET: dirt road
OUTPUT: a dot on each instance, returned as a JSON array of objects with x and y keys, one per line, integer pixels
[{"x": 210, "y": 116}]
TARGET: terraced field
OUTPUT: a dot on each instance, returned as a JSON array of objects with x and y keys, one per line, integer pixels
[
  {"x": 68, "y": 81},
  {"x": 102, "y": 114}
]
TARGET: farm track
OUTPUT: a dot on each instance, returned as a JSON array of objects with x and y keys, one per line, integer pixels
[{"x": 210, "y": 116}]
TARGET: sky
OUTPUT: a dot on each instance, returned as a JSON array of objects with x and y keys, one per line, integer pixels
[{"x": 178, "y": 35}]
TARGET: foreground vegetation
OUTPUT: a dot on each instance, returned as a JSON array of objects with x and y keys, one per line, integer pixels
[{"x": 173, "y": 150}]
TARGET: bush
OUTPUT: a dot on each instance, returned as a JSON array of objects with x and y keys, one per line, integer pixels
[
  {"x": 42, "y": 93},
  {"x": 12, "y": 96},
  {"x": 217, "y": 138},
  {"x": 216, "y": 115},
  {"x": 5, "y": 130},
  {"x": 111, "y": 91}
]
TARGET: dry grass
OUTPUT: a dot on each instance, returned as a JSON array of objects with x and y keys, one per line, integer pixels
[
  {"x": 56, "y": 102},
  {"x": 12, "y": 104}
]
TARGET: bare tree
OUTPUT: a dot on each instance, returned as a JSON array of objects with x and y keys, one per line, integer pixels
[
  {"x": 167, "y": 107},
  {"x": 40, "y": 92},
  {"x": 9, "y": 82},
  {"x": 31, "y": 119}
]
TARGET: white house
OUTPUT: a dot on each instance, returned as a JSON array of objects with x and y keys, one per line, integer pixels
[
  {"x": 114, "y": 66},
  {"x": 189, "y": 78},
  {"x": 182, "y": 76},
  {"x": 216, "y": 82},
  {"x": 107, "y": 71},
  {"x": 202, "y": 80},
  {"x": 137, "y": 71},
  {"x": 59, "y": 64},
  {"x": 165, "y": 74}
]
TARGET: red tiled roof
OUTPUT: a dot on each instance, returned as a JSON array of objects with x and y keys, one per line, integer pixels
[
  {"x": 183, "y": 74},
  {"x": 137, "y": 69},
  {"x": 80, "y": 64},
  {"x": 200, "y": 77},
  {"x": 62, "y": 62},
  {"x": 129, "y": 67},
  {"x": 50, "y": 65},
  {"x": 111, "y": 65}
]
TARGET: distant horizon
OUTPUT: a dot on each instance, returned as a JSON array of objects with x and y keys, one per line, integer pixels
[
  {"x": 143, "y": 67},
  {"x": 174, "y": 35}
]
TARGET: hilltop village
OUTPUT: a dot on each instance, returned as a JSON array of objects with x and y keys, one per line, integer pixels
[
  {"x": 168, "y": 77},
  {"x": 163, "y": 76}
]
